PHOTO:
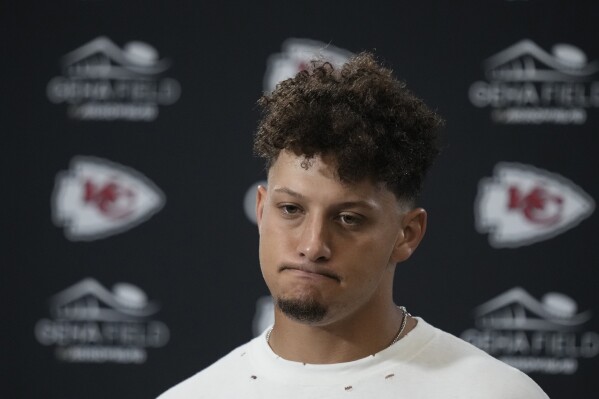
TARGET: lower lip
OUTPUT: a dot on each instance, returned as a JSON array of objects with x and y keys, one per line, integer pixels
[{"x": 309, "y": 275}]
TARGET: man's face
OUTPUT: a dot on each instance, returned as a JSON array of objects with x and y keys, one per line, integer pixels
[{"x": 327, "y": 248}]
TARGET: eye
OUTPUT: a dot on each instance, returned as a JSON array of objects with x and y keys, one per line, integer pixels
[
  {"x": 350, "y": 219},
  {"x": 289, "y": 209}
]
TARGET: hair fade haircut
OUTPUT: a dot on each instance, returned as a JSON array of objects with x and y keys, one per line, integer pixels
[{"x": 372, "y": 126}]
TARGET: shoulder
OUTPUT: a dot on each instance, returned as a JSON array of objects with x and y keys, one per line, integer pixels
[
  {"x": 204, "y": 382},
  {"x": 466, "y": 369}
]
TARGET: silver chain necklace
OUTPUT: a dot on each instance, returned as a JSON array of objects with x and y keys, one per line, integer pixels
[{"x": 402, "y": 327}]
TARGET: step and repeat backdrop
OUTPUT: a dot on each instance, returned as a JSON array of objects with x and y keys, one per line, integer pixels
[{"x": 129, "y": 258}]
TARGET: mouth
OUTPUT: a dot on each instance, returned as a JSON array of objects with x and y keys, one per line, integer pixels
[{"x": 310, "y": 272}]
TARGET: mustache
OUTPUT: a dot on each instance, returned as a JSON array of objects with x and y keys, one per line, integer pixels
[{"x": 311, "y": 268}]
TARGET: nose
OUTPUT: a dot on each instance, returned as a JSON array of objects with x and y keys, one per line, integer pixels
[{"x": 314, "y": 241}]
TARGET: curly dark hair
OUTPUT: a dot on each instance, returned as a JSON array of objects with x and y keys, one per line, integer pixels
[{"x": 359, "y": 114}]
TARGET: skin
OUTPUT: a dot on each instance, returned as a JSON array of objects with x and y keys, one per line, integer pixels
[{"x": 338, "y": 244}]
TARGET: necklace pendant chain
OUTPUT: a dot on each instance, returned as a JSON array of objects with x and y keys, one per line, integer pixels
[{"x": 404, "y": 323}]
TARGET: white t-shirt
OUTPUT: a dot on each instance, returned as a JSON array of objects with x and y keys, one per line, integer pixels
[{"x": 426, "y": 363}]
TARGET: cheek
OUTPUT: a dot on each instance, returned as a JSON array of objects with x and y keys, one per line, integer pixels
[
  {"x": 385, "y": 246},
  {"x": 371, "y": 259},
  {"x": 266, "y": 251},
  {"x": 276, "y": 234},
  {"x": 273, "y": 242}
]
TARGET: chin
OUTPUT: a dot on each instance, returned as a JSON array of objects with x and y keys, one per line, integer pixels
[{"x": 302, "y": 310}]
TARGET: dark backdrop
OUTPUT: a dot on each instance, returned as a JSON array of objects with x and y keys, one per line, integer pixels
[{"x": 166, "y": 279}]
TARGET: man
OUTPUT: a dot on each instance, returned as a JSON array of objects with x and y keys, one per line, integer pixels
[{"x": 346, "y": 151}]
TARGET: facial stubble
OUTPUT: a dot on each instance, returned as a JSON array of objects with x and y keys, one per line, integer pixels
[{"x": 304, "y": 311}]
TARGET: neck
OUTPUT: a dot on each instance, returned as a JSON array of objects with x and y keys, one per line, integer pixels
[{"x": 364, "y": 333}]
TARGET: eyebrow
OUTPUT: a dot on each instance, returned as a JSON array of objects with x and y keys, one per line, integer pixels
[
  {"x": 289, "y": 191},
  {"x": 345, "y": 204}
]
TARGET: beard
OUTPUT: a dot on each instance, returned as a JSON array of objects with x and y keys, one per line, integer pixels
[{"x": 305, "y": 311}]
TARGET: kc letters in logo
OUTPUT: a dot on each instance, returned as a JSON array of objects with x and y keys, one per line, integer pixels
[
  {"x": 101, "y": 81},
  {"x": 296, "y": 57},
  {"x": 546, "y": 336},
  {"x": 97, "y": 198},
  {"x": 527, "y": 85},
  {"x": 521, "y": 205},
  {"x": 91, "y": 324}
]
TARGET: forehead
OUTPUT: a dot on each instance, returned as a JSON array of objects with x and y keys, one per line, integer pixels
[{"x": 319, "y": 173}]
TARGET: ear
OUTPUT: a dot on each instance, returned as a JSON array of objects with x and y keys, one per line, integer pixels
[
  {"x": 413, "y": 227},
  {"x": 260, "y": 200}
]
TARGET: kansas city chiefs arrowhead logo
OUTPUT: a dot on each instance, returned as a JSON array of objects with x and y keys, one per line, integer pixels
[
  {"x": 96, "y": 198},
  {"x": 522, "y": 204}
]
